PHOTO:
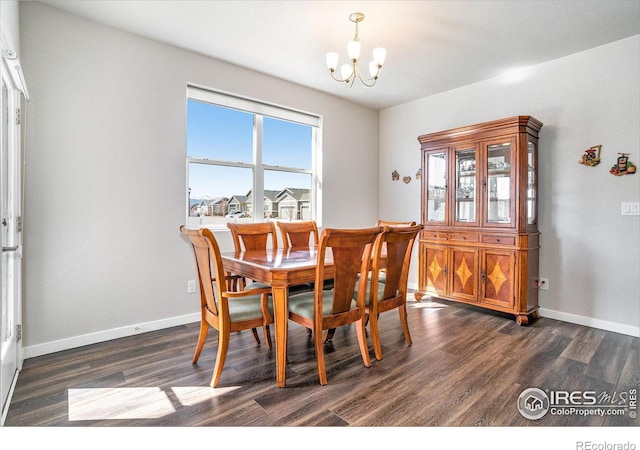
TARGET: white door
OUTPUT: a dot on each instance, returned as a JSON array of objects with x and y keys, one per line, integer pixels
[{"x": 10, "y": 236}]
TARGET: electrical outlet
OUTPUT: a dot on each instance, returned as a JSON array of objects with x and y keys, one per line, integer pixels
[
  {"x": 631, "y": 208},
  {"x": 191, "y": 286},
  {"x": 543, "y": 284}
]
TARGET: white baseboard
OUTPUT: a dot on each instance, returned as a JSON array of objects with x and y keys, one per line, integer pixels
[
  {"x": 615, "y": 327},
  {"x": 107, "y": 335},
  {"x": 591, "y": 322}
]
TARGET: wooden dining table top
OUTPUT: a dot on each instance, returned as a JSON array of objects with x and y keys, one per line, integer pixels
[{"x": 265, "y": 265}]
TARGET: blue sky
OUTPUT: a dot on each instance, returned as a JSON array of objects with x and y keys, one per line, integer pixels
[{"x": 225, "y": 134}]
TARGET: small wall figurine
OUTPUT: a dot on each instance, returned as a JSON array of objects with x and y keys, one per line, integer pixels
[
  {"x": 406, "y": 179},
  {"x": 395, "y": 176},
  {"x": 591, "y": 156},
  {"x": 419, "y": 174},
  {"x": 623, "y": 166}
]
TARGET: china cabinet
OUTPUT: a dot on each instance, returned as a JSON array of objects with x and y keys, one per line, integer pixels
[{"x": 480, "y": 242}]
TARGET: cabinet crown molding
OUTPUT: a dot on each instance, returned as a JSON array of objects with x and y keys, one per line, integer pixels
[{"x": 515, "y": 124}]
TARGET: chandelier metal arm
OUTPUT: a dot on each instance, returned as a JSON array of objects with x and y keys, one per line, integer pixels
[
  {"x": 355, "y": 73},
  {"x": 350, "y": 79}
]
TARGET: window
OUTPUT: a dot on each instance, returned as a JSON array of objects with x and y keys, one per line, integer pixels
[{"x": 248, "y": 161}]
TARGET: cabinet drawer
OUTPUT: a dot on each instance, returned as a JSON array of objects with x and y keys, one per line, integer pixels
[
  {"x": 498, "y": 239},
  {"x": 434, "y": 235},
  {"x": 464, "y": 237}
]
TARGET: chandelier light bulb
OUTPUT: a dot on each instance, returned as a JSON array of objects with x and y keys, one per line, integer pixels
[
  {"x": 379, "y": 55},
  {"x": 346, "y": 70},
  {"x": 353, "y": 49},
  {"x": 332, "y": 61}
]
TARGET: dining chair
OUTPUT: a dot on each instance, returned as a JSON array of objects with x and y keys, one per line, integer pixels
[
  {"x": 226, "y": 311},
  {"x": 298, "y": 234},
  {"x": 390, "y": 292},
  {"x": 325, "y": 310}
]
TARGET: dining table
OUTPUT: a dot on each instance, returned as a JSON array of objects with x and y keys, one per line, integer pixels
[{"x": 280, "y": 268}]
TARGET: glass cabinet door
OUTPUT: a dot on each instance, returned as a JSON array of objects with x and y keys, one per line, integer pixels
[
  {"x": 436, "y": 167},
  {"x": 498, "y": 183},
  {"x": 465, "y": 208},
  {"x": 531, "y": 183}
]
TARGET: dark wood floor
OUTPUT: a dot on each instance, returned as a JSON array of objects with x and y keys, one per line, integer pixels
[{"x": 466, "y": 367}]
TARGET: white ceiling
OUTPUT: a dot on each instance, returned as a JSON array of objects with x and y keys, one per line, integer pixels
[{"x": 432, "y": 46}]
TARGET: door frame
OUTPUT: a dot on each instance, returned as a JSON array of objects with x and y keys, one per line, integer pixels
[{"x": 12, "y": 236}]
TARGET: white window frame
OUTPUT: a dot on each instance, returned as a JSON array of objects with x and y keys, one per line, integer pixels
[{"x": 260, "y": 110}]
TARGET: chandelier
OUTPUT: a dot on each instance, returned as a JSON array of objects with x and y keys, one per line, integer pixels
[{"x": 351, "y": 71}]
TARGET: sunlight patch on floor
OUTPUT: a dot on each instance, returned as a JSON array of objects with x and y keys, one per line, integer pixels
[
  {"x": 192, "y": 395},
  {"x": 136, "y": 403},
  {"x": 118, "y": 403},
  {"x": 431, "y": 305}
]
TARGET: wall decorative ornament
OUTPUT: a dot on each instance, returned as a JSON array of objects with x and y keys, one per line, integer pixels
[
  {"x": 406, "y": 179},
  {"x": 623, "y": 166},
  {"x": 395, "y": 176},
  {"x": 419, "y": 174},
  {"x": 591, "y": 157}
]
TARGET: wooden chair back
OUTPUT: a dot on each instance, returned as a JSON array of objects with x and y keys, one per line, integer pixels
[
  {"x": 351, "y": 250},
  {"x": 298, "y": 234},
  {"x": 208, "y": 265},
  {"x": 398, "y": 243},
  {"x": 253, "y": 236}
]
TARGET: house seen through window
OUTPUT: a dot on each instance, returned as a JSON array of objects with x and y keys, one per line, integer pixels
[{"x": 248, "y": 161}]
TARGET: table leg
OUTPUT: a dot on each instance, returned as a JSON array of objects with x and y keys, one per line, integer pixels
[{"x": 281, "y": 324}]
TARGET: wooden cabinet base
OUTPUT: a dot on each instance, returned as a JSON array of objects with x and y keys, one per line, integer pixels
[{"x": 522, "y": 318}]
